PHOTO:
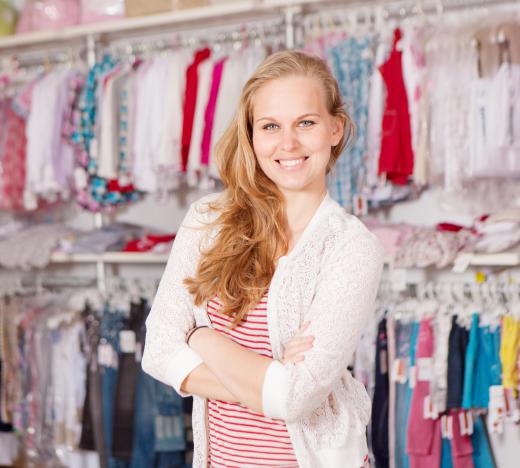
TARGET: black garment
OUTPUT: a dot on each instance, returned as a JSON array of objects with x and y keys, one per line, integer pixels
[
  {"x": 127, "y": 378},
  {"x": 92, "y": 430},
  {"x": 458, "y": 342},
  {"x": 379, "y": 422}
]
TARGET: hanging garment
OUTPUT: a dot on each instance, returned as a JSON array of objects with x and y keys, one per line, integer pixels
[
  {"x": 509, "y": 352},
  {"x": 458, "y": 342},
  {"x": 190, "y": 102},
  {"x": 379, "y": 422},
  {"x": 352, "y": 65},
  {"x": 482, "y": 367},
  {"x": 423, "y": 443},
  {"x": 396, "y": 156}
]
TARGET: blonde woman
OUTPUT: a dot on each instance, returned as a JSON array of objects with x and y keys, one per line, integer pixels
[{"x": 269, "y": 285}]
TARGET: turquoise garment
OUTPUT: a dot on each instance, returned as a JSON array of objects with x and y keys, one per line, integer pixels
[
  {"x": 352, "y": 64},
  {"x": 482, "y": 367},
  {"x": 446, "y": 461},
  {"x": 409, "y": 391},
  {"x": 482, "y": 454}
]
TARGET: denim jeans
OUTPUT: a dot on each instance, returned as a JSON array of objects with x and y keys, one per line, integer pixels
[{"x": 403, "y": 332}]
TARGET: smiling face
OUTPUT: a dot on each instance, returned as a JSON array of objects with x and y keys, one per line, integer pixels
[{"x": 293, "y": 133}]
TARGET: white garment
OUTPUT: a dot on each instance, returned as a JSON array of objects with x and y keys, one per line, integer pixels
[
  {"x": 330, "y": 277},
  {"x": 237, "y": 70},
  {"x": 150, "y": 112},
  {"x": 376, "y": 101},
  {"x": 108, "y": 160},
  {"x": 49, "y": 160}
]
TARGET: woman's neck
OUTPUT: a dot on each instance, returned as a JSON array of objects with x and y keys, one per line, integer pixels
[{"x": 299, "y": 209}]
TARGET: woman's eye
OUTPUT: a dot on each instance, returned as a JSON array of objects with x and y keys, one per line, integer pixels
[
  {"x": 306, "y": 123},
  {"x": 270, "y": 126}
]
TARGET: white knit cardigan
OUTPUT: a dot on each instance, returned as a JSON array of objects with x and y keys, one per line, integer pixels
[{"x": 330, "y": 277}]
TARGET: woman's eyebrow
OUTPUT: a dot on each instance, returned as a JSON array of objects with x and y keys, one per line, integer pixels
[{"x": 297, "y": 118}]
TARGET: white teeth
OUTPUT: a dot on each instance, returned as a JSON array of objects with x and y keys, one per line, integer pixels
[{"x": 291, "y": 163}]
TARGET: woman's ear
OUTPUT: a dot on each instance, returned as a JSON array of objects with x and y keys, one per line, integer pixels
[{"x": 338, "y": 129}]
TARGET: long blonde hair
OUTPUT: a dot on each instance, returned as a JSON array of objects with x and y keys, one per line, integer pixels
[{"x": 240, "y": 263}]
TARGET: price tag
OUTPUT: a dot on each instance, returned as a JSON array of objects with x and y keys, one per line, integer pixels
[
  {"x": 412, "y": 376},
  {"x": 399, "y": 371},
  {"x": 462, "y": 262},
  {"x": 424, "y": 369},
  {"x": 105, "y": 355},
  {"x": 466, "y": 423},
  {"x": 138, "y": 352},
  {"x": 383, "y": 362},
  {"x": 399, "y": 279},
  {"x": 127, "y": 341}
]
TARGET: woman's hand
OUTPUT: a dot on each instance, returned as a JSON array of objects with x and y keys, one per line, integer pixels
[{"x": 297, "y": 346}]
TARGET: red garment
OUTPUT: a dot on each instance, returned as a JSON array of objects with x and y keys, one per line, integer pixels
[
  {"x": 12, "y": 176},
  {"x": 190, "y": 101},
  {"x": 396, "y": 156},
  {"x": 461, "y": 445},
  {"x": 147, "y": 243},
  {"x": 239, "y": 436}
]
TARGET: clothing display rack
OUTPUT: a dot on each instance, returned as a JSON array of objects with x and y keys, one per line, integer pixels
[{"x": 154, "y": 33}]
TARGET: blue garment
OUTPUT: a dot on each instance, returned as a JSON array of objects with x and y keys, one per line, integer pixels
[
  {"x": 482, "y": 367},
  {"x": 352, "y": 65},
  {"x": 446, "y": 461},
  {"x": 409, "y": 391},
  {"x": 482, "y": 455},
  {"x": 403, "y": 332}
]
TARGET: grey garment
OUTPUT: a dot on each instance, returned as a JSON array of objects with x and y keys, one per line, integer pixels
[
  {"x": 32, "y": 247},
  {"x": 439, "y": 382},
  {"x": 109, "y": 238}
]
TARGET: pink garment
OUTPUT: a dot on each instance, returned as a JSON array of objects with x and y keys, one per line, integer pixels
[
  {"x": 41, "y": 15},
  {"x": 209, "y": 116},
  {"x": 423, "y": 438},
  {"x": 13, "y": 152},
  {"x": 461, "y": 445}
]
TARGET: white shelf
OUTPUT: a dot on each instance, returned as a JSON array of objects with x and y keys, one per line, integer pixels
[
  {"x": 110, "y": 257},
  {"x": 208, "y": 15},
  {"x": 495, "y": 259}
]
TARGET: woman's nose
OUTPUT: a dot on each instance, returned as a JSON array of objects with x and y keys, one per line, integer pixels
[{"x": 289, "y": 140}]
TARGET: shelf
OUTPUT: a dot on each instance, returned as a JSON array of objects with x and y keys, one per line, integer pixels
[
  {"x": 111, "y": 257},
  {"x": 466, "y": 259},
  {"x": 201, "y": 16}
]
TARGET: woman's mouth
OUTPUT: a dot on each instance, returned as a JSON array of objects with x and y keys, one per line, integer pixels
[{"x": 292, "y": 163}]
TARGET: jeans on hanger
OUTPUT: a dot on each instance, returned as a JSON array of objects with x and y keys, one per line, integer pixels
[
  {"x": 381, "y": 400},
  {"x": 403, "y": 337},
  {"x": 458, "y": 342}
]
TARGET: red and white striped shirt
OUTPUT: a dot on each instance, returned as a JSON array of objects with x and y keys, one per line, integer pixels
[{"x": 238, "y": 436}]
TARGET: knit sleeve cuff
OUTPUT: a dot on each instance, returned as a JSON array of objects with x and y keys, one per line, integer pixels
[{"x": 274, "y": 391}]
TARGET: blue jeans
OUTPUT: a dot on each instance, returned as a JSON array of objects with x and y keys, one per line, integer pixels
[{"x": 403, "y": 332}]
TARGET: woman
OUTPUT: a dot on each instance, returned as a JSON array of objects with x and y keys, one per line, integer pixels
[{"x": 256, "y": 266}]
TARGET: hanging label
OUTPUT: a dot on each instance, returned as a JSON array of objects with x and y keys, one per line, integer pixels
[
  {"x": 427, "y": 407},
  {"x": 383, "y": 362},
  {"x": 466, "y": 423},
  {"x": 399, "y": 279},
  {"x": 424, "y": 369},
  {"x": 462, "y": 262},
  {"x": 412, "y": 376},
  {"x": 138, "y": 352},
  {"x": 449, "y": 427},
  {"x": 127, "y": 341},
  {"x": 360, "y": 204},
  {"x": 399, "y": 371},
  {"x": 106, "y": 355},
  {"x": 444, "y": 422}
]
